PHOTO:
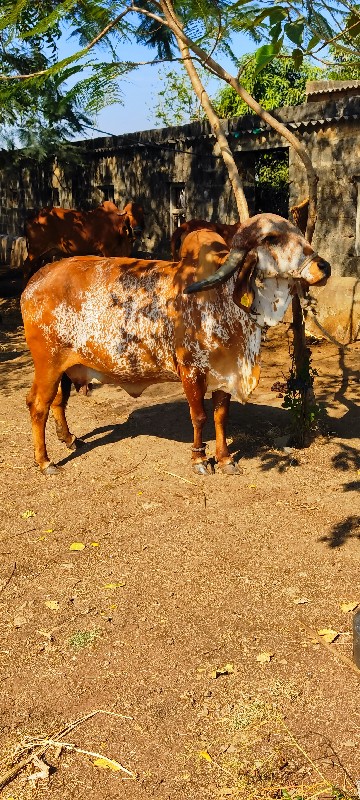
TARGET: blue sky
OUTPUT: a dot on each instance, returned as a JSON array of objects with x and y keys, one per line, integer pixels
[{"x": 140, "y": 88}]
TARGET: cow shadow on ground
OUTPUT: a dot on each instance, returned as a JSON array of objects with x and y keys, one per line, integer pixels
[
  {"x": 253, "y": 430},
  {"x": 250, "y": 431}
]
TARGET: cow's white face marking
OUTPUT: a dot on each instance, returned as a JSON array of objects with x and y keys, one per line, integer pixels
[{"x": 272, "y": 297}]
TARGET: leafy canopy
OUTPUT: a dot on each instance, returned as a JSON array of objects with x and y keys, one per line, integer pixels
[
  {"x": 280, "y": 83},
  {"x": 63, "y": 95}
]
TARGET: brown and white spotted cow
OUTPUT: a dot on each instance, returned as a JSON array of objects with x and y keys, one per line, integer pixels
[{"x": 135, "y": 323}]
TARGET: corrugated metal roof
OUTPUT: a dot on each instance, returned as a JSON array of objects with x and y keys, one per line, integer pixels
[
  {"x": 322, "y": 87},
  {"x": 304, "y": 117}
]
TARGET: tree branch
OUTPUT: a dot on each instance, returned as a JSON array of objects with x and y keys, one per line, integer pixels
[
  {"x": 82, "y": 52},
  {"x": 268, "y": 118}
]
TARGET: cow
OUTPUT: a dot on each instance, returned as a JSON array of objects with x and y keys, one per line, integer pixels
[
  {"x": 59, "y": 232},
  {"x": 226, "y": 231},
  {"x": 135, "y": 323},
  {"x": 299, "y": 214}
]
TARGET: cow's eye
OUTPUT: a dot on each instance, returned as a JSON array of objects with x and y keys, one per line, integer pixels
[{"x": 270, "y": 238}]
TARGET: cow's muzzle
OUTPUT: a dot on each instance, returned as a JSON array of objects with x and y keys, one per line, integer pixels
[
  {"x": 313, "y": 269},
  {"x": 324, "y": 267}
]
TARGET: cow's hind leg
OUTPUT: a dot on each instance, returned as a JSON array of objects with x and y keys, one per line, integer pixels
[
  {"x": 221, "y": 403},
  {"x": 39, "y": 399},
  {"x": 195, "y": 387},
  {"x": 58, "y": 410}
]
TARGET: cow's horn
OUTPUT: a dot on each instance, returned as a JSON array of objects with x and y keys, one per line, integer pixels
[{"x": 230, "y": 265}]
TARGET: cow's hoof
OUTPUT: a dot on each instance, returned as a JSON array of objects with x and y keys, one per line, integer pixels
[
  {"x": 76, "y": 444},
  {"x": 230, "y": 469},
  {"x": 51, "y": 469},
  {"x": 201, "y": 468}
]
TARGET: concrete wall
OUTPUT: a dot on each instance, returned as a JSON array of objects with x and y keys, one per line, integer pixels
[
  {"x": 152, "y": 166},
  {"x": 335, "y": 150}
]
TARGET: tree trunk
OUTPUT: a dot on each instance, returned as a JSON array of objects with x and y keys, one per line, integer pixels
[
  {"x": 215, "y": 123},
  {"x": 173, "y": 23},
  {"x": 301, "y": 352}
]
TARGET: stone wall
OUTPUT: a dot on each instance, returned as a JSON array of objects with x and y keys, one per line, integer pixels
[
  {"x": 178, "y": 172},
  {"x": 335, "y": 151}
]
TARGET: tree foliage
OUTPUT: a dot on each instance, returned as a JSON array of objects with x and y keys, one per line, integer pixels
[
  {"x": 280, "y": 83},
  {"x": 59, "y": 101},
  {"x": 41, "y": 113},
  {"x": 176, "y": 102}
]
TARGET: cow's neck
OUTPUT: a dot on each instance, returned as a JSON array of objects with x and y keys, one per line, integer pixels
[{"x": 272, "y": 297}]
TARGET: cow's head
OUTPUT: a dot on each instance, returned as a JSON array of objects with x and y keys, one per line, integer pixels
[
  {"x": 136, "y": 220},
  {"x": 272, "y": 258},
  {"x": 131, "y": 218}
]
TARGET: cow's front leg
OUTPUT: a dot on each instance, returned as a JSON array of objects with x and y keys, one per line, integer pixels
[
  {"x": 221, "y": 403},
  {"x": 194, "y": 384}
]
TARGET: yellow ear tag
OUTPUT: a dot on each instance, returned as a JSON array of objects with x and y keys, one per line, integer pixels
[{"x": 245, "y": 300}]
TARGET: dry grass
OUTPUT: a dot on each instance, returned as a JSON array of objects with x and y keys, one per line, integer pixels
[{"x": 265, "y": 761}]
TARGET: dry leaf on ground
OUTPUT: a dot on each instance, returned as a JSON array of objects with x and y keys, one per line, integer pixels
[
  {"x": 228, "y": 669},
  {"x": 346, "y": 607},
  {"x": 117, "y": 585},
  {"x": 77, "y": 546},
  {"x": 328, "y": 634},
  {"x": 106, "y": 763},
  {"x": 264, "y": 658},
  {"x": 54, "y": 605},
  {"x": 204, "y": 754}
]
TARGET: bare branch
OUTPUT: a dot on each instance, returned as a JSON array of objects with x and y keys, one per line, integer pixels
[{"x": 214, "y": 120}]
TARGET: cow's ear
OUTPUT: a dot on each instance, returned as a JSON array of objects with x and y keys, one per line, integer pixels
[{"x": 244, "y": 294}]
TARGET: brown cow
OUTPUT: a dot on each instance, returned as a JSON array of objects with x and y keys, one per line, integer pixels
[
  {"x": 134, "y": 323},
  {"x": 299, "y": 215},
  {"x": 58, "y": 232},
  {"x": 226, "y": 231}
]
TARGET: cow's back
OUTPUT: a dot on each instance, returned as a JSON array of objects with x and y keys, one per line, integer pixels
[
  {"x": 109, "y": 313},
  {"x": 55, "y": 228}
]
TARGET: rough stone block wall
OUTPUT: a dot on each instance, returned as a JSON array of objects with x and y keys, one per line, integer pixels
[
  {"x": 152, "y": 166},
  {"x": 335, "y": 154}
]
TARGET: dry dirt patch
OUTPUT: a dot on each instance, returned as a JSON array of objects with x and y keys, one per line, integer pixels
[{"x": 182, "y": 583}]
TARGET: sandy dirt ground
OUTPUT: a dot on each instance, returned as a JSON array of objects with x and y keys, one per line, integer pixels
[{"x": 188, "y": 619}]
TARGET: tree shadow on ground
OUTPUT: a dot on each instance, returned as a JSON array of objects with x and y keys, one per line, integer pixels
[
  {"x": 349, "y": 528},
  {"x": 339, "y": 390}
]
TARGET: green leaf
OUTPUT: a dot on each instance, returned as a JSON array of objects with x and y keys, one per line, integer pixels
[
  {"x": 313, "y": 42},
  {"x": 51, "y": 19},
  {"x": 276, "y": 15},
  {"x": 298, "y": 57},
  {"x": 294, "y": 31},
  {"x": 13, "y": 16},
  {"x": 353, "y": 22},
  {"x": 265, "y": 54},
  {"x": 275, "y": 31},
  {"x": 260, "y": 17}
]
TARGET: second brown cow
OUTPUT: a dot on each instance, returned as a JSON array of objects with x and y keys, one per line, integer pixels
[
  {"x": 59, "y": 232},
  {"x": 226, "y": 231}
]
